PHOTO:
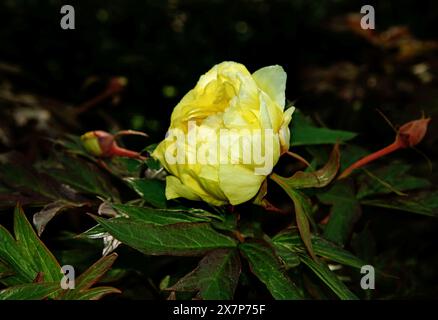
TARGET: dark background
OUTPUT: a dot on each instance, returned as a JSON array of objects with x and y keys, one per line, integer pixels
[{"x": 162, "y": 47}]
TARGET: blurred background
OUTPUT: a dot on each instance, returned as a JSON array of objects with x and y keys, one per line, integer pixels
[{"x": 338, "y": 74}]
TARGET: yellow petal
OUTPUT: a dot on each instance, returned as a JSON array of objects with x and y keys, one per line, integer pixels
[
  {"x": 175, "y": 189},
  {"x": 272, "y": 80},
  {"x": 284, "y": 133},
  {"x": 239, "y": 183}
]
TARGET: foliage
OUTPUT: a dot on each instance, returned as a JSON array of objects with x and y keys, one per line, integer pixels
[{"x": 235, "y": 247}]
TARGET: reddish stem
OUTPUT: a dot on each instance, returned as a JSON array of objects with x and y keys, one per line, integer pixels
[
  {"x": 122, "y": 152},
  {"x": 371, "y": 157}
]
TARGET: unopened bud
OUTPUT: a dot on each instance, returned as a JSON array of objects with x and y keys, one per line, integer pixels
[
  {"x": 103, "y": 144},
  {"x": 411, "y": 133}
]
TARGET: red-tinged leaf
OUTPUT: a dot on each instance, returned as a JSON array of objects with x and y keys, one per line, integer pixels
[
  {"x": 30, "y": 291},
  {"x": 303, "y": 211},
  {"x": 316, "y": 179},
  {"x": 34, "y": 249},
  {"x": 96, "y": 293},
  {"x": 87, "y": 279}
]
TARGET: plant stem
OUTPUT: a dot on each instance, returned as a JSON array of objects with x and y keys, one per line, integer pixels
[{"x": 371, "y": 157}]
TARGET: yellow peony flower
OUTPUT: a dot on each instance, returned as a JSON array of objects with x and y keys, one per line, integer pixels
[{"x": 226, "y": 135}]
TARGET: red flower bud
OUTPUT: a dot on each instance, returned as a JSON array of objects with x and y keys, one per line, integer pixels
[{"x": 409, "y": 135}]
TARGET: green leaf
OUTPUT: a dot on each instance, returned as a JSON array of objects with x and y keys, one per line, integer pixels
[
  {"x": 303, "y": 210},
  {"x": 11, "y": 255},
  {"x": 344, "y": 213},
  {"x": 303, "y": 132},
  {"x": 158, "y": 216},
  {"x": 15, "y": 173},
  {"x": 82, "y": 176},
  {"x": 385, "y": 180},
  {"x": 33, "y": 249},
  {"x": 289, "y": 244},
  {"x": 215, "y": 278},
  {"x": 316, "y": 179},
  {"x": 289, "y": 257},
  {"x": 31, "y": 291},
  {"x": 425, "y": 203},
  {"x": 152, "y": 191},
  {"x": 87, "y": 279},
  {"x": 96, "y": 293},
  {"x": 5, "y": 270},
  {"x": 267, "y": 267},
  {"x": 176, "y": 239},
  {"x": 123, "y": 167},
  {"x": 329, "y": 278}
]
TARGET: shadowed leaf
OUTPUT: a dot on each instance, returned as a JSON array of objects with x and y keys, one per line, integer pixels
[
  {"x": 289, "y": 244},
  {"x": 215, "y": 277},
  {"x": 152, "y": 191},
  {"x": 268, "y": 269},
  {"x": 344, "y": 213},
  {"x": 387, "y": 179},
  {"x": 425, "y": 203},
  {"x": 329, "y": 278}
]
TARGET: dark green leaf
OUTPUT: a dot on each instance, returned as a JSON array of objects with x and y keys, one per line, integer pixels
[
  {"x": 158, "y": 216},
  {"x": 303, "y": 132},
  {"x": 125, "y": 167},
  {"x": 215, "y": 277},
  {"x": 33, "y": 249},
  {"x": 344, "y": 213},
  {"x": 329, "y": 278},
  {"x": 11, "y": 254},
  {"x": 15, "y": 173},
  {"x": 425, "y": 203},
  {"x": 31, "y": 291},
  {"x": 152, "y": 191},
  {"x": 387, "y": 179},
  {"x": 82, "y": 176},
  {"x": 289, "y": 244},
  {"x": 175, "y": 239},
  {"x": 96, "y": 293},
  {"x": 267, "y": 267},
  {"x": 303, "y": 211}
]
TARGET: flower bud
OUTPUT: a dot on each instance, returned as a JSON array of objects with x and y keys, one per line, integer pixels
[
  {"x": 410, "y": 134},
  {"x": 103, "y": 144}
]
